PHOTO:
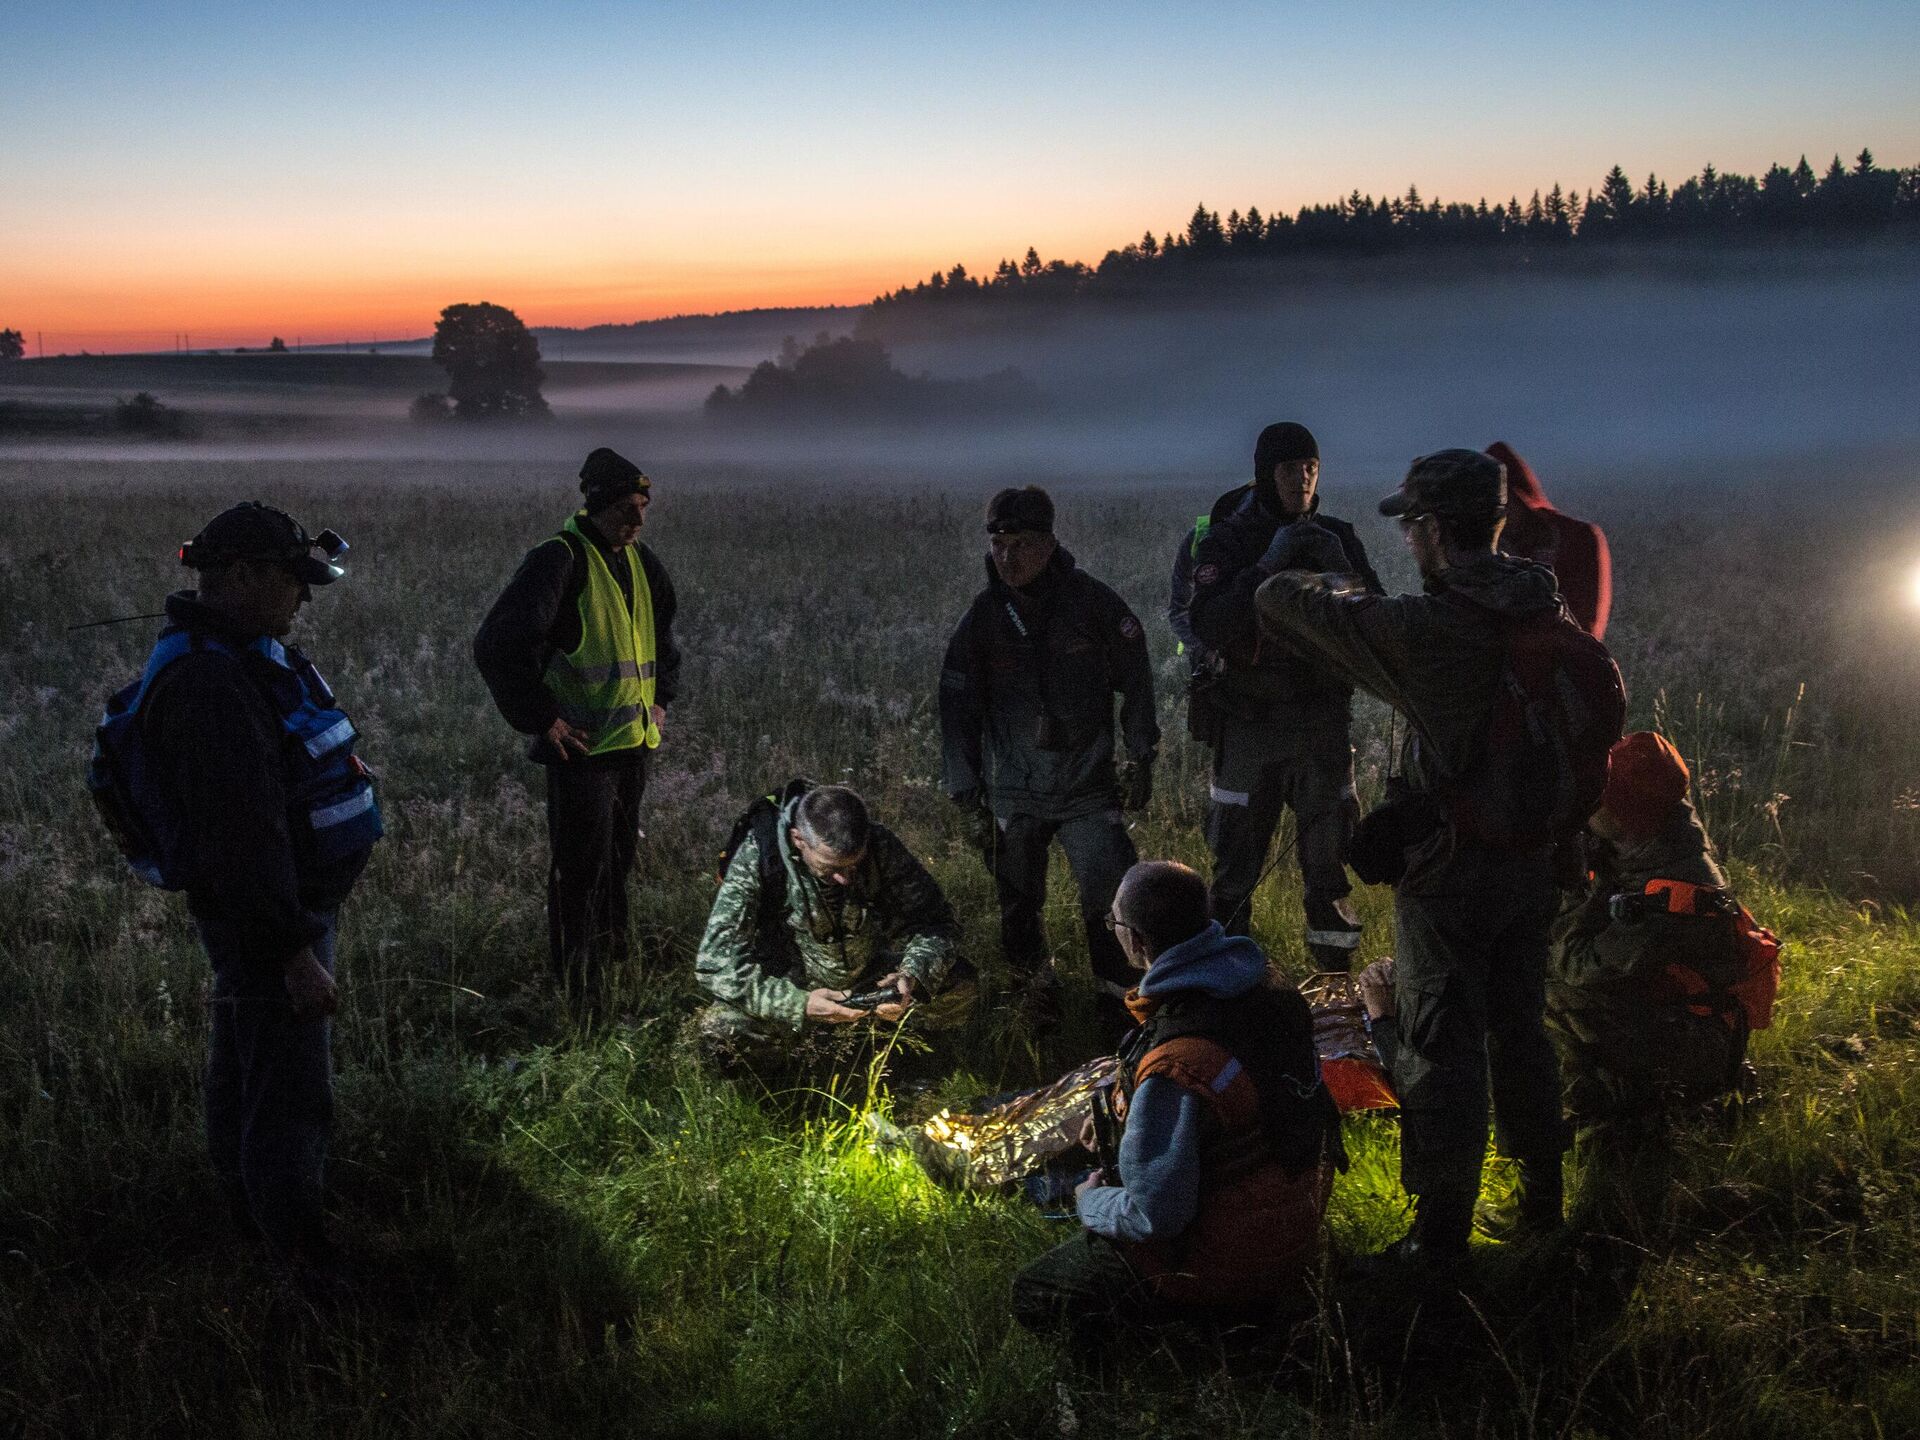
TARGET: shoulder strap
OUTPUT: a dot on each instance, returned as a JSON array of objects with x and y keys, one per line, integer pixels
[{"x": 1200, "y": 527}]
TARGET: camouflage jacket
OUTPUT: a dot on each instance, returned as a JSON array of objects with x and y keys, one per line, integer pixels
[
  {"x": 1624, "y": 1041},
  {"x": 893, "y": 916}
]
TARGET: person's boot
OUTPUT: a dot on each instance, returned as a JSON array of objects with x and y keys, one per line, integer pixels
[
  {"x": 1333, "y": 935},
  {"x": 1536, "y": 1207},
  {"x": 1433, "y": 1251}
]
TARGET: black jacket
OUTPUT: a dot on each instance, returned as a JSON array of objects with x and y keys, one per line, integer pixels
[
  {"x": 1261, "y": 680},
  {"x": 219, "y": 748},
  {"x": 538, "y": 614},
  {"x": 1060, "y": 650}
]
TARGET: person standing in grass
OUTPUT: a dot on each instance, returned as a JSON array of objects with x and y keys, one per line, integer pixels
[
  {"x": 1278, "y": 723},
  {"x": 1472, "y": 913},
  {"x": 1027, "y": 746},
  {"x": 819, "y": 905},
  {"x": 578, "y": 653},
  {"x": 236, "y": 768},
  {"x": 1230, "y": 1142}
]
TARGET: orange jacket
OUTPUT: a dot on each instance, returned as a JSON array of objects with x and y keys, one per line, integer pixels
[{"x": 1258, "y": 1226}]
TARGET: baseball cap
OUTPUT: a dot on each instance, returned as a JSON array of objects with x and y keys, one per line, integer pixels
[
  {"x": 1462, "y": 483},
  {"x": 254, "y": 531}
]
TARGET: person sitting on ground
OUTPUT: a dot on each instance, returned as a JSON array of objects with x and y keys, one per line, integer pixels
[
  {"x": 1649, "y": 979},
  {"x": 1230, "y": 1141},
  {"x": 843, "y": 910}
]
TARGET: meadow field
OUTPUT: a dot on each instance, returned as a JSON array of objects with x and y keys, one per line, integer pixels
[{"x": 575, "y": 1231}]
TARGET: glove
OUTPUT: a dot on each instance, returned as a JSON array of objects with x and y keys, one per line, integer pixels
[
  {"x": 1303, "y": 545},
  {"x": 982, "y": 828},
  {"x": 1136, "y": 783}
]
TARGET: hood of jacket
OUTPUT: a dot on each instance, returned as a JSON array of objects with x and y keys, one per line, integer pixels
[
  {"x": 1503, "y": 584},
  {"x": 1213, "y": 961},
  {"x": 1523, "y": 486}
]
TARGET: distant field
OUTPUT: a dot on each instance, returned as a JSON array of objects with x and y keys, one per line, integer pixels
[
  {"x": 406, "y": 375},
  {"x": 578, "y": 1233}
]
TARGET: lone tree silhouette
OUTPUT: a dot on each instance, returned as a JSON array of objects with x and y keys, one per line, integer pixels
[
  {"x": 492, "y": 363},
  {"x": 12, "y": 345}
]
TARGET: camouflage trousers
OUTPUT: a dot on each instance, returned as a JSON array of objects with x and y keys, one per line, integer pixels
[
  {"x": 1624, "y": 1059},
  {"x": 728, "y": 1035}
]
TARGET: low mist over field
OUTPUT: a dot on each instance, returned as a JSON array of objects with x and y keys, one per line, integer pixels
[{"x": 1581, "y": 373}]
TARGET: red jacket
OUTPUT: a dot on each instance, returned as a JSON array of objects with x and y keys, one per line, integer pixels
[{"x": 1575, "y": 550}]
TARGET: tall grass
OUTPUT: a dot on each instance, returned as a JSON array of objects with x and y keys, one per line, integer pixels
[{"x": 571, "y": 1231}]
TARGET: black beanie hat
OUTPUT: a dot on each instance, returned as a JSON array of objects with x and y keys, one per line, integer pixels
[
  {"x": 1026, "y": 508},
  {"x": 609, "y": 476},
  {"x": 1289, "y": 440}
]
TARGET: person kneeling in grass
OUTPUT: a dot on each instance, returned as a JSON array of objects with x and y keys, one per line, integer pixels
[
  {"x": 1230, "y": 1140},
  {"x": 1657, "y": 974},
  {"x": 824, "y": 918}
]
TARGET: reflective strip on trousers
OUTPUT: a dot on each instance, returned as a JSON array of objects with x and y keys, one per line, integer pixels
[
  {"x": 1339, "y": 939},
  {"x": 1229, "y": 797},
  {"x": 337, "y": 814}
]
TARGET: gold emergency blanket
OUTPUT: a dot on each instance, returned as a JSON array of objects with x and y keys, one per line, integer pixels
[{"x": 1000, "y": 1146}]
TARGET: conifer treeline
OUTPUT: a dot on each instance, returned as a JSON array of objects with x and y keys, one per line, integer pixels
[{"x": 1711, "y": 208}]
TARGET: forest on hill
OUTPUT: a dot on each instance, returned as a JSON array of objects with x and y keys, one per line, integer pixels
[{"x": 1711, "y": 211}]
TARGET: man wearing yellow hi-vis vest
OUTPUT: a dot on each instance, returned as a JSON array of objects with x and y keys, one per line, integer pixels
[{"x": 578, "y": 653}]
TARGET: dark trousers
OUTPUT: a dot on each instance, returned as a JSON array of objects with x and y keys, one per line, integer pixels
[
  {"x": 1099, "y": 851},
  {"x": 1469, "y": 982},
  {"x": 593, "y": 831},
  {"x": 269, "y": 1098},
  {"x": 1082, "y": 1286},
  {"x": 1310, "y": 772}
]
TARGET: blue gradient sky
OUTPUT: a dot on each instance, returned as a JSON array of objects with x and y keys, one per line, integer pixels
[{"x": 234, "y": 169}]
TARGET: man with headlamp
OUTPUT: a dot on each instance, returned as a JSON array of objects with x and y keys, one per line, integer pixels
[{"x": 227, "y": 770}]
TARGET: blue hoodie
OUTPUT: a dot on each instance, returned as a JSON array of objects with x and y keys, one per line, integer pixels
[{"x": 1160, "y": 1149}]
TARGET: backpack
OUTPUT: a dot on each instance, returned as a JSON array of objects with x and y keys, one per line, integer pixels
[
  {"x": 761, "y": 820},
  {"x": 126, "y": 793},
  {"x": 1557, "y": 712},
  {"x": 1753, "y": 992}
]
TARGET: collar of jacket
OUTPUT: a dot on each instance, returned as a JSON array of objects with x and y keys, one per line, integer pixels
[
  {"x": 599, "y": 541},
  {"x": 186, "y": 609},
  {"x": 1060, "y": 565},
  {"x": 1680, "y": 851},
  {"x": 1246, "y": 502}
]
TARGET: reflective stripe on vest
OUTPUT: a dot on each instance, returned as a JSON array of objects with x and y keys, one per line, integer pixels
[
  {"x": 332, "y": 811},
  {"x": 606, "y": 684}
]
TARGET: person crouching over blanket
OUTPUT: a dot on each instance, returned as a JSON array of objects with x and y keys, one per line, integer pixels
[{"x": 1230, "y": 1139}]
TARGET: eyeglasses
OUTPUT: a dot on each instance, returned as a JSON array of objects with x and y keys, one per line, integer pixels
[{"x": 1116, "y": 924}]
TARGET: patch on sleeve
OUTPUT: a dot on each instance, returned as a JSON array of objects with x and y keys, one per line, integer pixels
[
  {"x": 1129, "y": 629},
  {"x": 1206, "y": 574}
]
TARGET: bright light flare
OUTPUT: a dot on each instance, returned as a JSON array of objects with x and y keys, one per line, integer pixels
[{"x": 1913, "y": 588}]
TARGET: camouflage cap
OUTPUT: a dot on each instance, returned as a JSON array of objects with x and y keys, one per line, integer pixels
[{"x": 1463, "y": 483}]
